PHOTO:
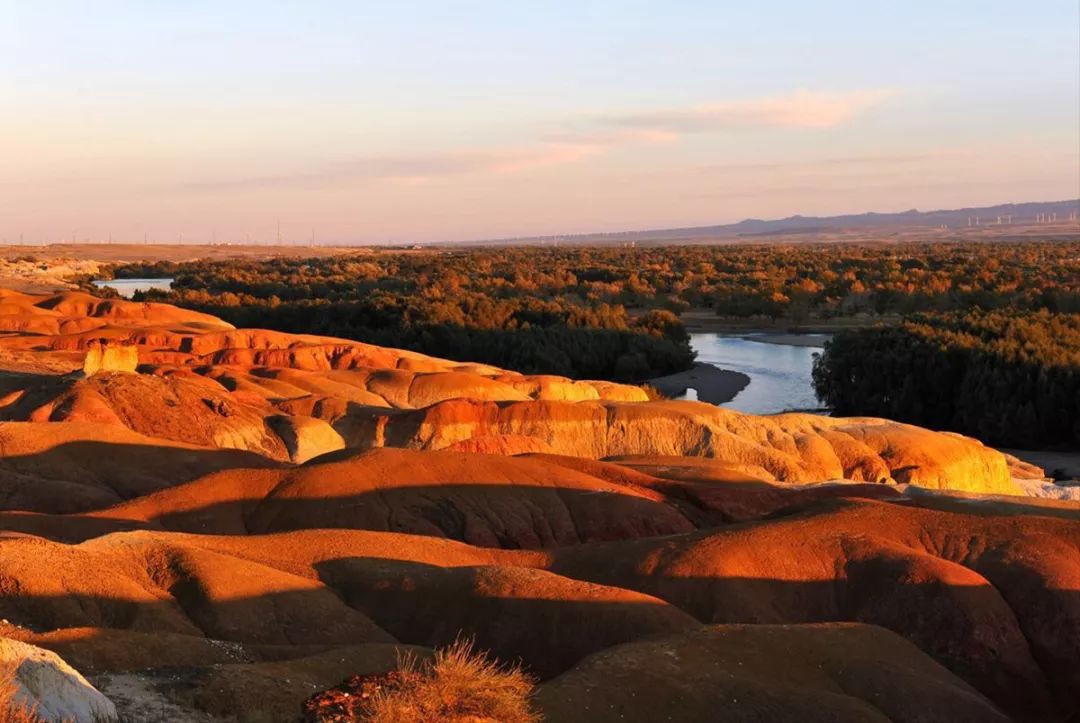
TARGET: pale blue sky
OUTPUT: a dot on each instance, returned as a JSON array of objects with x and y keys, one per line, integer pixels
[{"x": 449, "y": 120}]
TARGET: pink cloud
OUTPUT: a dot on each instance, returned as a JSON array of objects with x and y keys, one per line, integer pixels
[
  {"x": 797, "y": 110},
  {"x": 801, "y": 109},
  {"x": 555, "y": 150}
]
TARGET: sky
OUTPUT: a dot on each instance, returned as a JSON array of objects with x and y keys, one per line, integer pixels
[{"x": 410, "y": 121}]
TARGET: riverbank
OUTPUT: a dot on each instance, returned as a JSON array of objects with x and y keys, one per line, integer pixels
[
  {"x": 706, "y": 321},
  {"x": 789, "y": 339},
  {"x": 713, "y": 385}
]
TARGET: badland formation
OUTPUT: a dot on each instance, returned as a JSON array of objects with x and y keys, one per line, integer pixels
[{"x": 204, "y": 523}]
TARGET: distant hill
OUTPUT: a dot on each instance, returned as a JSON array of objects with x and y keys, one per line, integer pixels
[
  {"x": 1020, "y": 213},
  {"x": 1017, "y": 213}
]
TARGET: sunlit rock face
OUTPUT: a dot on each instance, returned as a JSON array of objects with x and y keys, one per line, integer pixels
[
  {"x": 208, "y": 384},
  {"x": 110, "y": 357},
  {"x": 306, "y": 437},
  {"x": 792, "y": 448}
]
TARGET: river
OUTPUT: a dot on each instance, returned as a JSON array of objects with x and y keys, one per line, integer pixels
[
  {"x": 780, "y": 374},
  {"x": 127, "y": 287}
]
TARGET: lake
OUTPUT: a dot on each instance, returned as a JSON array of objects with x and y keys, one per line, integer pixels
[
  {"x": 127, "y": 287},
  {"x": 780, "y": 374}
]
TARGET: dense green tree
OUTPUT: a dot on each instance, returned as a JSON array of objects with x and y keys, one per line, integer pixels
[
  {"x": 1010, "y": 378},
  {"x": 598, "y": 312}
]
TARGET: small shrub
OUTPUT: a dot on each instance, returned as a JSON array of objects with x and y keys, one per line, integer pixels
[{"x": 459, "y": 685}]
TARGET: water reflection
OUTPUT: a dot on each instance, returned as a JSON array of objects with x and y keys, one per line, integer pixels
[
  {"x": 127, "y": 287},
  {"x": 780, "y": 374}
]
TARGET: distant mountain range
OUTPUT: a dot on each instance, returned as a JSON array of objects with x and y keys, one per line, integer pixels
[
  {"x": 1019, "y": 213},
  {"x": 1016, "y": 213}
]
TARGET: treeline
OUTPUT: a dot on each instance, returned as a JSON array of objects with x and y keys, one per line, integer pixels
[
  {"x": 649, "y": 347},
  {"x": 1009, "y": 378},
  {"x": 613, "y": 312},
  {"x": 796, "y": 283},
  {"x": 431, "y": 310}
]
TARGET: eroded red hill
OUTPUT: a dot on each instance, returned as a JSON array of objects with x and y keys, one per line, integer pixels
[{"x": 646, "y": 560}]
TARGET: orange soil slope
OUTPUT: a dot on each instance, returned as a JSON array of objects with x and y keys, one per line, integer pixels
[
  {"x": 992, "y": 598},
  {"x": 991, "y": 593},
  {"x": 207, "y": 384},
  {"x": 808, "y": 673},
  {"x": 646, "y": 560}
]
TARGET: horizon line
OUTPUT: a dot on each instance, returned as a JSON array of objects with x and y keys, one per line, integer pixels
[{"x": 542, "y": 237}]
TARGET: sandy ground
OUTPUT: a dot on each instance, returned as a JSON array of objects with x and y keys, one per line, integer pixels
[{"x": 713, "y": 385}]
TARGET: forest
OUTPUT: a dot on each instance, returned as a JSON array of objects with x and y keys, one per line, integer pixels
[
  {"x": 457, "y": 306},
  {"x": 792, "y": 283},
  {"x": 1009, "y": 378},
  {"x": 613, "y": 312}
]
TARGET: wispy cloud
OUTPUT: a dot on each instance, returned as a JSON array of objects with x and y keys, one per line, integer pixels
[
  {"x": 552, "y": 150},
  {"x": 419, "y": 168},
  {"x": 593, "y": 137},
  {"x": 797, "y": 110},
  {"x": 429, "y": 166},
  {"x": 608, "y": 138},
  {"x": 841, "y": 162}
]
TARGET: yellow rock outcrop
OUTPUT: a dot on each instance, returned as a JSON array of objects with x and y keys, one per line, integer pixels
[{"x": 110, "y": 357}]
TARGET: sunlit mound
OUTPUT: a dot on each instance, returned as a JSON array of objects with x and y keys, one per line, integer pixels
[
  {"x": 293, "y": 397},
  {"x": 990, "y": 593},
  {"x": 201, "y": 523}
]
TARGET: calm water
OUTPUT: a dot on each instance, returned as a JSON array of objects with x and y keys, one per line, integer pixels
[
  {"x": 779, "y": 373},
  {"x": 127, "y": 287}
]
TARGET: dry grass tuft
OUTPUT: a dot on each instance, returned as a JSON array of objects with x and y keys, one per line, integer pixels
[{"x": 460, "y": 685}]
